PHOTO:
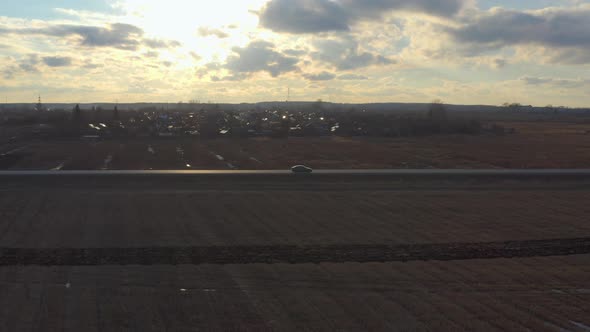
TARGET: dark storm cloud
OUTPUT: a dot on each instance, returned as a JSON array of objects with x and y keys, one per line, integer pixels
[
  {"x": 344, "y": 54},
  {"x": 312, "y": 16},
  {"x": 323, "y": 76},
  {"x": 556, "y": 28},
  {"x": 57, "y": 61},
  {"x": 259, "y": 56},
  {"x": 117, "y": 35}
]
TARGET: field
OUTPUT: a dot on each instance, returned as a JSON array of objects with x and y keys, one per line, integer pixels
[
  {"x": 163, "y": 217},
  {"x": 539, "y": 294},
  {"x": 278, "y": 252},
  {"x": 534, "y": 145},
  {"x": 136, "y": 218}
]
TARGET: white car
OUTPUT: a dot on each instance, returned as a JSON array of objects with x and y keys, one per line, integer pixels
[{"x": 301, "y": 169}]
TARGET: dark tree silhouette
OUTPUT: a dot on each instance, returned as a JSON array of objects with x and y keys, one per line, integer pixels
[
  {"x": 76, "y": 113},
  {"x": 438, "y": 115},
  {"x": 116, "y": 114}
]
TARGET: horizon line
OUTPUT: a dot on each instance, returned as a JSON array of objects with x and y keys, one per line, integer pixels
[{"x": 286, "y": 102}]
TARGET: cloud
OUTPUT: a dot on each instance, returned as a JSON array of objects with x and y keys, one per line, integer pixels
[
  {"x": 345, "y": 54},
  {"x": 553, "y": 27},
  {"x": 207, "y": 68},
  {"x": 90, "y": 65},
  {"x": 375, "y": 8},
  {"x": 259, "y": 56},
  {"x": 557, "y": 82},
  {"x": 564, "y": 30},
  {"x": 323, "y": 76},
  {"x": 57, "y": 61},
  {"x": 206, "y": 32},
  {"x": 117, "y": 35},
  {"x": 231, "y": 78},
  {"x": 500, "y": 63},
  {"x": 140, "y": 88},
  {"x": 151, "y": 54},
  {"x": 536, "y": 80},
  {"x": 570, "y": 56},
  {"x": 294, "y": 52},
  {"x": 195, "y": 56},
  {"x": 158, "y": 43},
  {"x": 352, "y": 77},
  {"x": 304, "y": 16},
  {"x": 27, "y": 64},
  {"x": 313, "y": 16}
]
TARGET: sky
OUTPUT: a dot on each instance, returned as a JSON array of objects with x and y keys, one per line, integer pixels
[{"x": 351, "y": 51}]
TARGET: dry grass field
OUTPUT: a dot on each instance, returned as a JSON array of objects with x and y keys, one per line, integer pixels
[
  {"x": 538, "y": 294},
  {"x": 122, "y": 218},
  {"x": 534, "y": 145},
  {"x": 519, "y": 294}
]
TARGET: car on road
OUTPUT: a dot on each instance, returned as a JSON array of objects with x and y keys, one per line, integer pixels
[{"x": 301, "y": 169}]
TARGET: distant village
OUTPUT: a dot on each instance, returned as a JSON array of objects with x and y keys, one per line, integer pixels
[{"x": 213, "y": 121}]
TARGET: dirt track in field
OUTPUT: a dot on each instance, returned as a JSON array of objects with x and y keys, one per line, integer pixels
[{"x": 293, "y": 254}]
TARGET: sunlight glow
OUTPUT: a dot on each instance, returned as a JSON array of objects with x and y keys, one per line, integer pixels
[{"x": 181, "y": 19}]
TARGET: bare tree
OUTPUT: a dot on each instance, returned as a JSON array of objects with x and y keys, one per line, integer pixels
[
  {"x": 77, "y": 113},
  {"x": 437, "y": 112},
  {"x": 116, "y": 114}
]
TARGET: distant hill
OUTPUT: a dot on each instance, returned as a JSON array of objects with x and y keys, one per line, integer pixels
[{"x": 407, "y": 107}]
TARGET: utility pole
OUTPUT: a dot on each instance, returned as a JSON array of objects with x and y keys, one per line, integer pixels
[{"x": 39, "y": 105}]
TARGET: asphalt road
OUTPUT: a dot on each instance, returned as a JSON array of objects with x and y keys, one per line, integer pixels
[{"x": 352, "y": 180}]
